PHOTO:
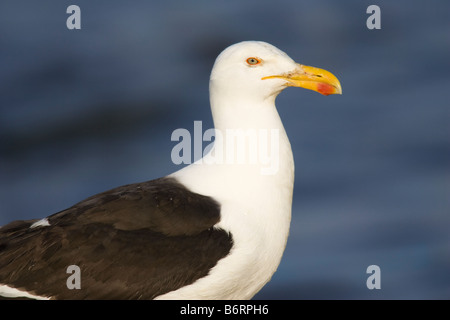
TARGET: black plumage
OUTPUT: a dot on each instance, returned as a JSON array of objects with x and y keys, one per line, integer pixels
[{"x": 137, "y": 241}]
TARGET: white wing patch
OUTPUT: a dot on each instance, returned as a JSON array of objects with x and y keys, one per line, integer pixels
[
  {"x": 41, "y": 223},
  {"x": 9, "y": 292}
]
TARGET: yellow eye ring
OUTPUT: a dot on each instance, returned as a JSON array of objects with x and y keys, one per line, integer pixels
[{"x": 253, "y": 61}]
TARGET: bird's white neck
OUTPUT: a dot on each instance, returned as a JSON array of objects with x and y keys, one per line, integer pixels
[{"x": 251, "y": 153}]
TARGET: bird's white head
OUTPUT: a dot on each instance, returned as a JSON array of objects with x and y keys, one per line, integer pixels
[{"x": 258, "y": 70}]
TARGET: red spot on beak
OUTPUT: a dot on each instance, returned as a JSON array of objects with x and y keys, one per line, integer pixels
[{"x": 325, "y": 89}]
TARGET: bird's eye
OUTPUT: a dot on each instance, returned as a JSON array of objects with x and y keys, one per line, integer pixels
[{"x": 253, "y": 61}]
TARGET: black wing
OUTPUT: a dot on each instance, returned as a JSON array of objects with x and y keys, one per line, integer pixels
[{"x": 133, "y": 242}]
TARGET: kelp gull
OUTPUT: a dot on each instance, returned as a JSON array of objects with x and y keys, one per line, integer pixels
[{"x": 215, "y": 229}]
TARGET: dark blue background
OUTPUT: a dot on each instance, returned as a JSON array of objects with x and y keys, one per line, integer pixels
[{"x": 87, "y": 110}]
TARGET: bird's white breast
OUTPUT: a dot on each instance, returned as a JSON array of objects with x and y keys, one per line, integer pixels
[{"x": 256, "y": 210}]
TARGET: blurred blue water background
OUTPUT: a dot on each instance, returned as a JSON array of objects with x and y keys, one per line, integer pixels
[{"x": 88, "y": 110}]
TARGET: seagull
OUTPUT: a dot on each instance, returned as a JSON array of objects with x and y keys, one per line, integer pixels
[{"x": 215, "y": 229}]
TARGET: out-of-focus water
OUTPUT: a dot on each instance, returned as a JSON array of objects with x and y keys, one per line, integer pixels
[{"x": 86, "y": 110}]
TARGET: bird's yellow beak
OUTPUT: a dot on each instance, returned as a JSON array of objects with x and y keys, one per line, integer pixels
[{"x": 311, "y": 78}]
